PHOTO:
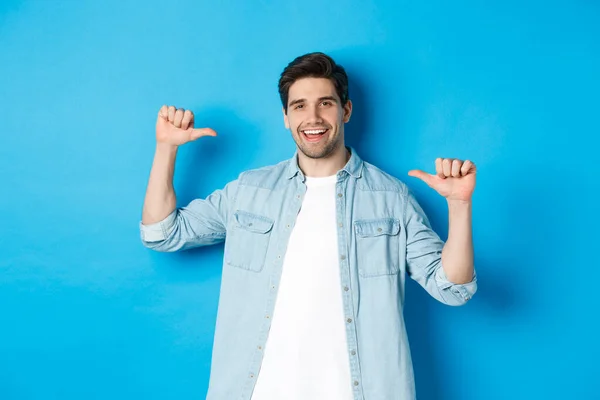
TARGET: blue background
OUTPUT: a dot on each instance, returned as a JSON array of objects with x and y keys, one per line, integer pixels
[{"x": 86, "y": 312}]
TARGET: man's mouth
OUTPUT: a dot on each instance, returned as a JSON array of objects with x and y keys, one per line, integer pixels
[{"x": 314, "y": 135}]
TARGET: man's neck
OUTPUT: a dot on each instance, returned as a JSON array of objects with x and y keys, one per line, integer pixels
[{"x": 327, "y": 166}]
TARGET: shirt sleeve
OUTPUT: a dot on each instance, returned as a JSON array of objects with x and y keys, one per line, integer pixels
[
  {"x": 424, "y": 257},
  {"x": 202, "y": 222}
]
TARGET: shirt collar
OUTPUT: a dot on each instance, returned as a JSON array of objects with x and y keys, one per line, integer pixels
[{"x": 353, "y": 167}]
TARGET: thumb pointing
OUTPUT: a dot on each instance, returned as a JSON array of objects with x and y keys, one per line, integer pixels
[
  {"x": 199, "y": 132},
  {"x": 424, "y": 176}
]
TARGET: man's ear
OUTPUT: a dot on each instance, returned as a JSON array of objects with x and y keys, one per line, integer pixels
[
  {"x": 347, "y": 111},
  {"x": 285, "y": 119}
]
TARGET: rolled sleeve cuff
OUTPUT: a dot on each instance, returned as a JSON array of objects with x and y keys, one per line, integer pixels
[
  {"x": 160, "y": 230},
  {"x": 464, "y": 291}
]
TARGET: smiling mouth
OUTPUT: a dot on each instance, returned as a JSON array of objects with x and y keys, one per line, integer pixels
[{"x": 314, "y": 135}]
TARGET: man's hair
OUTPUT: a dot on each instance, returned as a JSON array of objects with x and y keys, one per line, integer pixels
[{"x": 313, "y": 65}]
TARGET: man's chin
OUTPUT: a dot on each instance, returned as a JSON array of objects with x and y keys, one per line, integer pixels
[{"x": 317, "y": 153}]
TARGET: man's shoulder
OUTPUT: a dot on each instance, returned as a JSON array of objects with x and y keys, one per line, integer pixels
[
  {"x": 265, "y": 177},
  {"x": 376, "y": 179}
]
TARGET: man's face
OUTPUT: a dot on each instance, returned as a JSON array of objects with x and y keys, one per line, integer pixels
[{"x": 316, "y": 117}]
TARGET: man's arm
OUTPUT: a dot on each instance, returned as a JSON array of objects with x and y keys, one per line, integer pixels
[
  {"x": 457, "y": 256},
  {"x": 163, "y": 227},
  {"x": 425, "y": 259},
  {"x": 450, "y": 276},
  {"x": 160, "y": 200}
]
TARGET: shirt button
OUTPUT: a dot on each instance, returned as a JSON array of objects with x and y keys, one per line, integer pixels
[
  {"x": 349, "y": 320},
  {"x": 353, "y": 352},
  {"x": 343, "y": 257},
  {"x": 288, "y": 226},
  {"x": 340, "y": 225},
  {"x": 355, "y": 383},
  {"x": 251, "y": 375},
  {"x": 346, "y": 288},
  {"x": 260, "y": 347},
  {"x": 379, "y": 229},
  {"x": 339, "y": 195},
  {"x": 267, "y": 317}
]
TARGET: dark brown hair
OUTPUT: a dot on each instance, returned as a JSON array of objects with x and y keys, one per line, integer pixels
[{"x": 313, "y": 65}]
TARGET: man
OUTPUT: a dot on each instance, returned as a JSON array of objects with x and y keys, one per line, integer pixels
[{"x": 316, "y": 252}]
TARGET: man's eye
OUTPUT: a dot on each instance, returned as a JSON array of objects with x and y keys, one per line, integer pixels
[
  {"x": 298, "y": 106},
  {"x": 326, "y": 103}
]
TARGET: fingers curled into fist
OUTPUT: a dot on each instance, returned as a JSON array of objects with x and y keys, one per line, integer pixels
[
  {"x": 453, "y": 168},
  {"x": 178, "y": 117}
]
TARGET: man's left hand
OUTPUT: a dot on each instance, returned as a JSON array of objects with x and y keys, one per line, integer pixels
[{"x": 454, "y": 179}]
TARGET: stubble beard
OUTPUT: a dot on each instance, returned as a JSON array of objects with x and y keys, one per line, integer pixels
[{"x": 316, "y": 153}]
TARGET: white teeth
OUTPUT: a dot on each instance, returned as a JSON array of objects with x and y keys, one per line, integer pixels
[{"x": 314, "y": 132}]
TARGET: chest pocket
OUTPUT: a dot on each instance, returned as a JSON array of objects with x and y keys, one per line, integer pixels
[
  {"x": 248, "y": 241},
  {"x": 377, "y": 246}
]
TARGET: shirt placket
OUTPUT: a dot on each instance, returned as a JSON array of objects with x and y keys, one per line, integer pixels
[{"x": 343, "y": 233}]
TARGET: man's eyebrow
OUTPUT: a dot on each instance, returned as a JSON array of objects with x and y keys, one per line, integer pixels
[
  {"x": 296, "y": 102},
  {"x": 331, "y": 98},
  {"x": 328, "y": 98}
]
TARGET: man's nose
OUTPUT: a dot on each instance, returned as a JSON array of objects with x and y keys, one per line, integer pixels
[{"x": 315, "y": 115}]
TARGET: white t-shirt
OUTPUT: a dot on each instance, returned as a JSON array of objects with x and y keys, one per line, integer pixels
[{"x": 306, "y": 354}]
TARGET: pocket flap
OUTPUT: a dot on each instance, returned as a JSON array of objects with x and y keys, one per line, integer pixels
[
  {"x": 377, "y": 227},
  {"x": 253, "y": 222}
]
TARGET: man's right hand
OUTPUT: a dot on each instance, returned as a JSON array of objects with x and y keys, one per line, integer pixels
[{"x": 176, "y": 127}]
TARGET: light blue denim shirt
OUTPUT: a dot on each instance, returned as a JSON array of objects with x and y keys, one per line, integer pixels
[{"x": 383, "y": 235}]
